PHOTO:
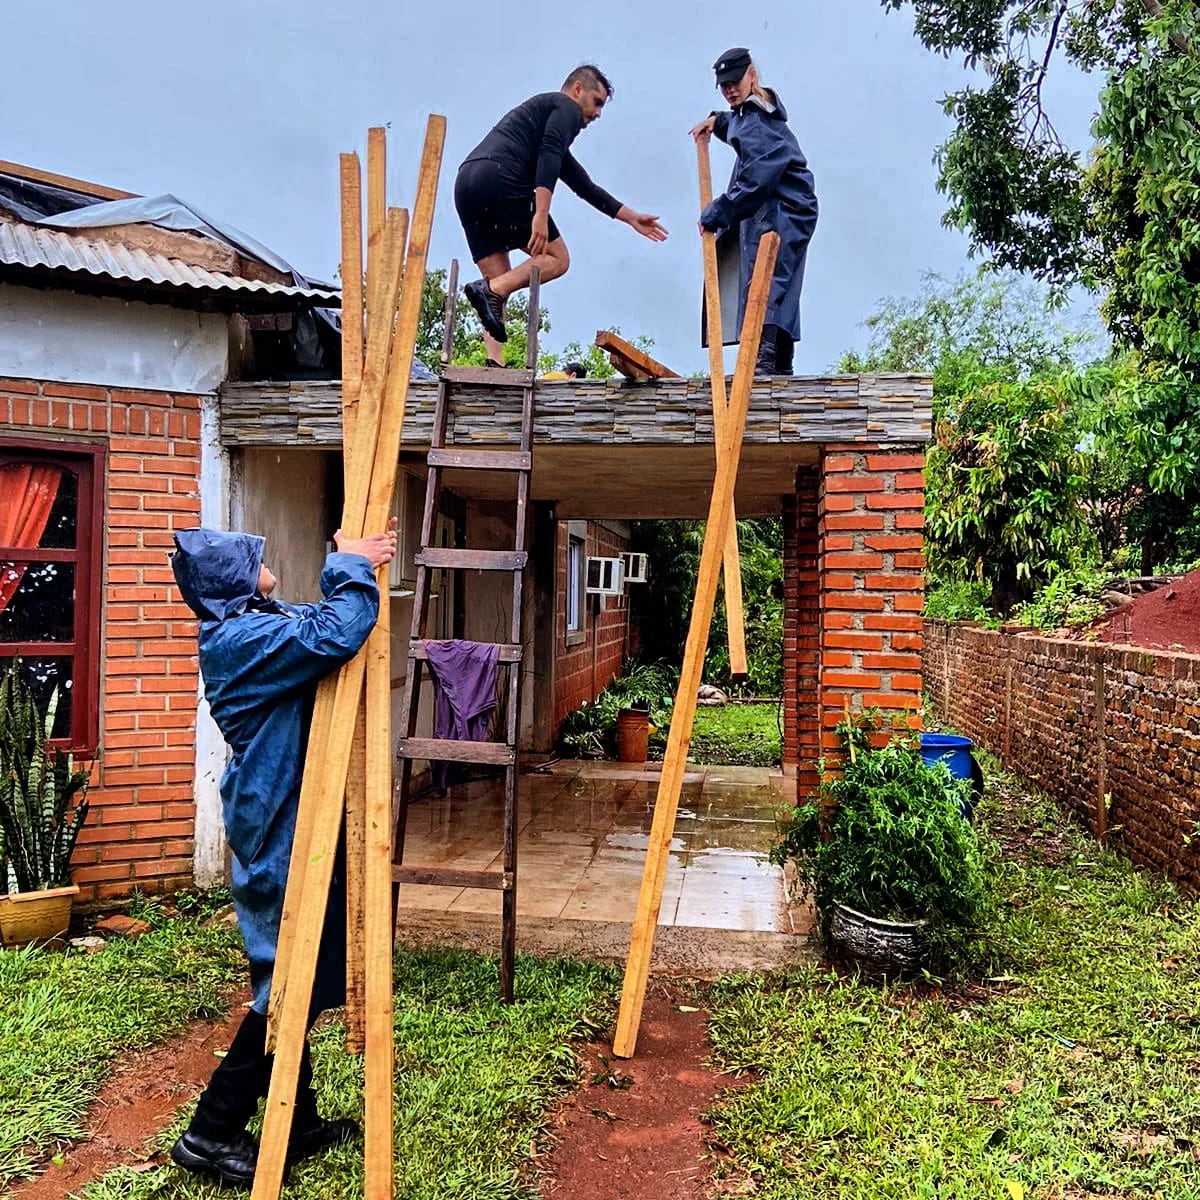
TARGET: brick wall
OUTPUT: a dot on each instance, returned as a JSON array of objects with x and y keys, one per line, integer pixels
[
  {"x": 853, "y": 593},
  {"x": 139, "y": 830},
  {"x": 1084, "y": 721},
  {"x": 581, "y": 672}
]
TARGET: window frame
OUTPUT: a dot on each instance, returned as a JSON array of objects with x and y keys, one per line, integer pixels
[
  {"x": 86, "y": 460},
  {"x": 576, "y": 586}
]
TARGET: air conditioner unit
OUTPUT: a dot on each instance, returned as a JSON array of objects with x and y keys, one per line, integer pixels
[
  {"x": 637, "y": 568},
  {"x": 605, "y": 577}
]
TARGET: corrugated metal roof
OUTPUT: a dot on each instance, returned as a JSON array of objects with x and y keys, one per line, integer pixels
[{"x": 32, "y": 246}]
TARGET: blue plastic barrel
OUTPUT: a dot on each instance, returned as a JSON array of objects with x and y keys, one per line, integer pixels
[
  {"x": 955, "y": 752},
  {"x": 949, "y": 748}
]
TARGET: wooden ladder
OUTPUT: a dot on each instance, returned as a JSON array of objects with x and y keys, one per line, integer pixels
[{"x": 432, "y": 557}]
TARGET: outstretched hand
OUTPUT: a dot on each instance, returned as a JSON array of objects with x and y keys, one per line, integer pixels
[
  {"x": 376, "y": 548},
  {"x": 647, "y": 226}
]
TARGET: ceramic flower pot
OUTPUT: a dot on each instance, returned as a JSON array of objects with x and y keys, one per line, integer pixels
[
  {"x": 901, "y": 945},
  {"x": 35, "y": 916}
]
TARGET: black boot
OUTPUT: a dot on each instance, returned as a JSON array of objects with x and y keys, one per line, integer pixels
[
  {"x": 765, "y": 363},
  {"x": 785, "y": 352},
  {"x": 215, "y": 1142}
]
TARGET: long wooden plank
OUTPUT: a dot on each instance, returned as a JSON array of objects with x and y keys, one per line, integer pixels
[
  {"x": 356, "y": 888},
  {"x": 379, "y": 441},
  {"x": 352, "y": 296},
  {"x": 735, "y": 617},
  {"x": 637, "y": 969},
  {"x": 376, "y": 207},
  {"x": 353, "y": 315},
  {"x": 377, "y": 926},
  {"x": 370, "y": 399}
]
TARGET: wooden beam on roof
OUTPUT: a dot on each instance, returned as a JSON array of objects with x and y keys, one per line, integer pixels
[
  {"x": 64, "y": 181},
  {"x": 633, "y": 363}
]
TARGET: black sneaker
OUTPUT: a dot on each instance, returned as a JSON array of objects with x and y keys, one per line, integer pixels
[
  {"x": 489, "y": 306},
  {"x": 230, "y": 1163},
  {"x": 322, "y": 1136}
]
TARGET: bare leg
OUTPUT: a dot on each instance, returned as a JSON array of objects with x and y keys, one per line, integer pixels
[{"x": 551, "y": 265}]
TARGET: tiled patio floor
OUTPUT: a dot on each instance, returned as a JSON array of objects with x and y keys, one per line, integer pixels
[{"x": 582, "y": 839}]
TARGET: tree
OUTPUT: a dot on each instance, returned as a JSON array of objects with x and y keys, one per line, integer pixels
[
  {"x": 1130, "y": 222},
  {"x": 468, "y": 349},
  {"x": 1004, "y": 487},
  {"x": 1005, "y": 480}
]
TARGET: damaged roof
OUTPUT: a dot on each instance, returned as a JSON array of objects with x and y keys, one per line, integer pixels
[
  {"x": 74, "y": 254},
  {"x": 60, "y": 231}
]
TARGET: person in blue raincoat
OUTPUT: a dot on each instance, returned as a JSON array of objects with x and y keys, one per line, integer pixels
[
  {"x": 261, "y": 660},
  {"x": 770, "y": 190}
]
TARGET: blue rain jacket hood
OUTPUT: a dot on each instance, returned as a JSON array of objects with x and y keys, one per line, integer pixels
[
  {"x": 261, "y": 661},
  {"x": 770, "y": 190},
  {"x": 217, "y": 572}
]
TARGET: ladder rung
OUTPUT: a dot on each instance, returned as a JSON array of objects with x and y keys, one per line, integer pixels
[
  {"x": 508, "y": 652},
  {"x": 497, "y": 754},
  {"x": 450, "y": 877},
  {"x": 481, "y": 460},
  {"x": 451, "y": 558},
  {"x": 494, "y": 376}
]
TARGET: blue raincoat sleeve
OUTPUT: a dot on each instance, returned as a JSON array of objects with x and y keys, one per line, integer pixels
[
  {"x": 764, "y": 154},
  {"x": 260, "y": 669}
]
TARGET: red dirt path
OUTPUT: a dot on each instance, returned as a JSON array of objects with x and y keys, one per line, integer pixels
[
  {"x": 1167, "y": 618},
  {"x": 646, "y": 1141},
  {"x": 139, "y": 1098}
]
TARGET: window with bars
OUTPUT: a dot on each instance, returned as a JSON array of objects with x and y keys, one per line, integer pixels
[{"x": 50, "y": 552}]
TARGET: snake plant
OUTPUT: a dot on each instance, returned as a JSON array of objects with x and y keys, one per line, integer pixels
[{"x": 42, "y": 795}]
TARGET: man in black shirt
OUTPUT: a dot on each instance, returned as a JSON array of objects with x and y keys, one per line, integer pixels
[{"x": 503, "y": 193}]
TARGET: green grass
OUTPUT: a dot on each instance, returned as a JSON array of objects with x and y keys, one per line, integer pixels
[
  {"x": 64, "y": 1016},
  {"x": 474, "y": 1080},
  {"x": 1072, "y": 1071},
  {"x": 737, "y": 734}
]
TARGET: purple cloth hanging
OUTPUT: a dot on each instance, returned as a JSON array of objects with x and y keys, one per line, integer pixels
[{"x": 464, "y": 696}]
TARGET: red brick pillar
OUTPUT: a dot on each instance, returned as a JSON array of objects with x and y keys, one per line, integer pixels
[
  {"x": 871, "y": 581},
  {"x": 801, "y": 629}
]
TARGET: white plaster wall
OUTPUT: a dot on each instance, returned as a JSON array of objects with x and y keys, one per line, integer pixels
[
  {"x": 108, "y": 342},
  {"x": 209, "y": 862}
]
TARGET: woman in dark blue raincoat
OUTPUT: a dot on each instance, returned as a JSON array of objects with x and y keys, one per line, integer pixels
[
  {"x": 770, "y": 190},
  {"x": 261, "y": 660}
]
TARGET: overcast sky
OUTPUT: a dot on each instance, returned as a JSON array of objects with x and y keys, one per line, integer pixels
[{"x": 241, "y": 109}]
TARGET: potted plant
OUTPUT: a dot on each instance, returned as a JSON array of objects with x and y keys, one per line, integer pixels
[
  {"x": 883, "y": 847},
  {"x": 42, "y": 808}
]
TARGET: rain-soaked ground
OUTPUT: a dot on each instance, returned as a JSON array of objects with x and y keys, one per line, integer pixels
[{"x": 582, "y": 839}]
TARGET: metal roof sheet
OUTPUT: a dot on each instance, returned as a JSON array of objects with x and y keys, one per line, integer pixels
[{"x": 23, "y": 245}]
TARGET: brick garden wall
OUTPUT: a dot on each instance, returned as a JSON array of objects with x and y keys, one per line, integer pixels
[
  {"x": 853, "y": 593},
  {"x": 139, "y": 830},
  {"x": 1084, "y": 721},
  {"x": 581, "y": 672}
]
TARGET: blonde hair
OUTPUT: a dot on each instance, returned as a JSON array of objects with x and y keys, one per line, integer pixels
[{"x": 757, "y": 87}]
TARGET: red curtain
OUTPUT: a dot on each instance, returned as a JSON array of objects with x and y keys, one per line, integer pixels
[{"x": 27, "y": 494}]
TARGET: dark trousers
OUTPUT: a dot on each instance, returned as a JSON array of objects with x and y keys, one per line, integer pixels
[{"x": 242, "y": 1079}]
